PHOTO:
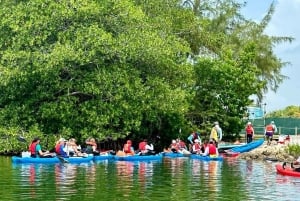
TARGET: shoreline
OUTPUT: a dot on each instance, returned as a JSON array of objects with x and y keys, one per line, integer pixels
[{"x": 273, "y": 152}]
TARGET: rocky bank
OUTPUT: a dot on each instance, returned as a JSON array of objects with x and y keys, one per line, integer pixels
[{"x": 273, "y": 152}]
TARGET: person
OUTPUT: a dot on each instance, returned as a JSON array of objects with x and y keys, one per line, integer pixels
[
  {"x": 35, "y": 150},
  {"x": 127, "y": 148},
  {"x": 145, "y": 148},
  {"x": 216, "y": 133},
  {"x": 91, "y": 146},
  {"x": 249, "y": 132},
  {"x": 192, "y": 137},
  {"x": 270, "y": 130},
  {"x": 72, "y": 148},
  {"x": 211, "y": 150},
  {"x": 60, "y": 148},
  {"x": 182, "y": 147},
  {"x": 196, "y": 149},
  {"x": 174, "y": 146}
]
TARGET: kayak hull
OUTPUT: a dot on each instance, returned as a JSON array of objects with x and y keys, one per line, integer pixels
[
  {"x": 287, "y": 171},
  {"x": 206, "y": 158},
  {"x": 16, "y": 159},
  {"x": 247, "y": 147},
  {"x": 139, "y": 158},
  {"x": 175, "y": 155},
  {"x": 103, "y": 157}
]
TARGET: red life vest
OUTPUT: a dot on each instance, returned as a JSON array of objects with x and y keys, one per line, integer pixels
[
  {"x": 174, "y": 146},
  {"x": 197, "y": 147},
  {"x": 269, "y": 128},
  {"x": 142, "y": 146},
  {"x": 212, "y": 149},
  {"x": 32, "y": 148},
  {"x": 249, "y": 130},
  {"x": 181, "y": 145},
  {"x": 127, "y": 148},
  {"x": 57, "y": 148}
]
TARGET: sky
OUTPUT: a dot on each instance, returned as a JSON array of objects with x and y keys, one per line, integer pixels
[{"x": 283, "y": 23}]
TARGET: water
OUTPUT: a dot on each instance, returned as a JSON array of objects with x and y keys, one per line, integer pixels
[{"x": 170, "y": 179}]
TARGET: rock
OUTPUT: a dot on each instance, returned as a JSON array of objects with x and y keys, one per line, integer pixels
[{"x": 273, "y": 152}]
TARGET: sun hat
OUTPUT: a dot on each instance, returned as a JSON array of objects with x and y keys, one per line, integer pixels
[
  {"x": 196, "y": 141},
  {"x": 249, "y": 123},
  {"x": 62, "y": 140}
]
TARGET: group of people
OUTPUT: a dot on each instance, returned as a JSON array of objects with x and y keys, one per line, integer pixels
[
  {"x": 270, "y": 130},
  {"x": 143, "y": 148},
  {"x": 64, "y": 148}
]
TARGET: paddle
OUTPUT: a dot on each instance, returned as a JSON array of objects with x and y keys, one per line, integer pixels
[
  {"x": 62, "y": 159},
  {"x": 21, "y": 139}
]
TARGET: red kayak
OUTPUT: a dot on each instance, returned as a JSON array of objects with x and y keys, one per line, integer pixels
[
  {"x": 230, "y": 154},
  {"x": 287, "y": 171}
]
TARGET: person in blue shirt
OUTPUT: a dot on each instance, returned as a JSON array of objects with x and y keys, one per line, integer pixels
[{"x": 60, "y": 148}]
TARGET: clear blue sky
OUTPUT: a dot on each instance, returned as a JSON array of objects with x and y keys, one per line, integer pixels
[{"x": 284, "y": 23}]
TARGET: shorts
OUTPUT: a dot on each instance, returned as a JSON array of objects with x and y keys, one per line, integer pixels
[{"x": 269, "y": 134}]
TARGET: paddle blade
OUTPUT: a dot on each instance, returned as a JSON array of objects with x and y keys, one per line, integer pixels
[
  {"x": 62, "y": 159},
  {"x": 21, "y": 139}
]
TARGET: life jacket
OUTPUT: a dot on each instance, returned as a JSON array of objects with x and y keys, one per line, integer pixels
[
  {"x": 197, "y": 147},
  {"x": 269, "y": 128},
  {"x": 174, "y": 146},
  {"x": 195, "y": 136},
  {"x": 57, "y": 149},
  {"x": 142, "y": 146},
  {"x": 249, "y": 130},
  {"x": 181, "y": 145},
  {"x": 212, "y": 150},
  {"x": 32, "y": 148},
  {"x": 127, "y": 148}
]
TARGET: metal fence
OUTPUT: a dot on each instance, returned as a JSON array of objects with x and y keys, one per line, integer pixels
[{"x": 285, "y": 126}]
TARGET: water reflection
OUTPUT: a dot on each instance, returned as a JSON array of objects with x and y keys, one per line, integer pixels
[{"x": 169, "y": 179}]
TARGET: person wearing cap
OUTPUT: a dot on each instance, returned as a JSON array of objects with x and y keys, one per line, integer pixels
[
  {"x": 60, "y": 148},
  {"x": 216, "y": 133},
  {"x": 270, "y": 130},
  {"x": 211, "y": 150},
  {"x": 35, "y": 149},
  {"x": 249, "y": 132},
  {"x": 127, "y": 148},
  {"x": 174, "y": 146},
  {"x": 196, "y": 149}
]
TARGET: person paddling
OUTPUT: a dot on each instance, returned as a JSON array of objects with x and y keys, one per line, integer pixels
[
  {"x": 211, "y": 150},
  {"x": 35, "y": 150}
]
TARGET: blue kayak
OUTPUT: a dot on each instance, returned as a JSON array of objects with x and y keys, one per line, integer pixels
[
  {"x": 206, "y": 158},
  {"x": 247, "y": 147},
  {"x": 16, "y": 159},
  {"x": 175, "y": 155},
  {"x": 103, "y": 157},
  {"x": 139, "y": 157}
]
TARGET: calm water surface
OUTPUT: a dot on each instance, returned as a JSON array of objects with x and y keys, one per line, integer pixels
[{"x": 169, "y": 179}]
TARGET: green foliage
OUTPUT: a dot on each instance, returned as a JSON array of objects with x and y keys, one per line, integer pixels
[
  {"x": 293, "y": 149},
  {"x": 290, "y": 111},
  {"x": 89, "y": 68}
]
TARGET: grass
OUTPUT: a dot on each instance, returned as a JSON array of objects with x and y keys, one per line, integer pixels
[{"x": 293, "y": 149}]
